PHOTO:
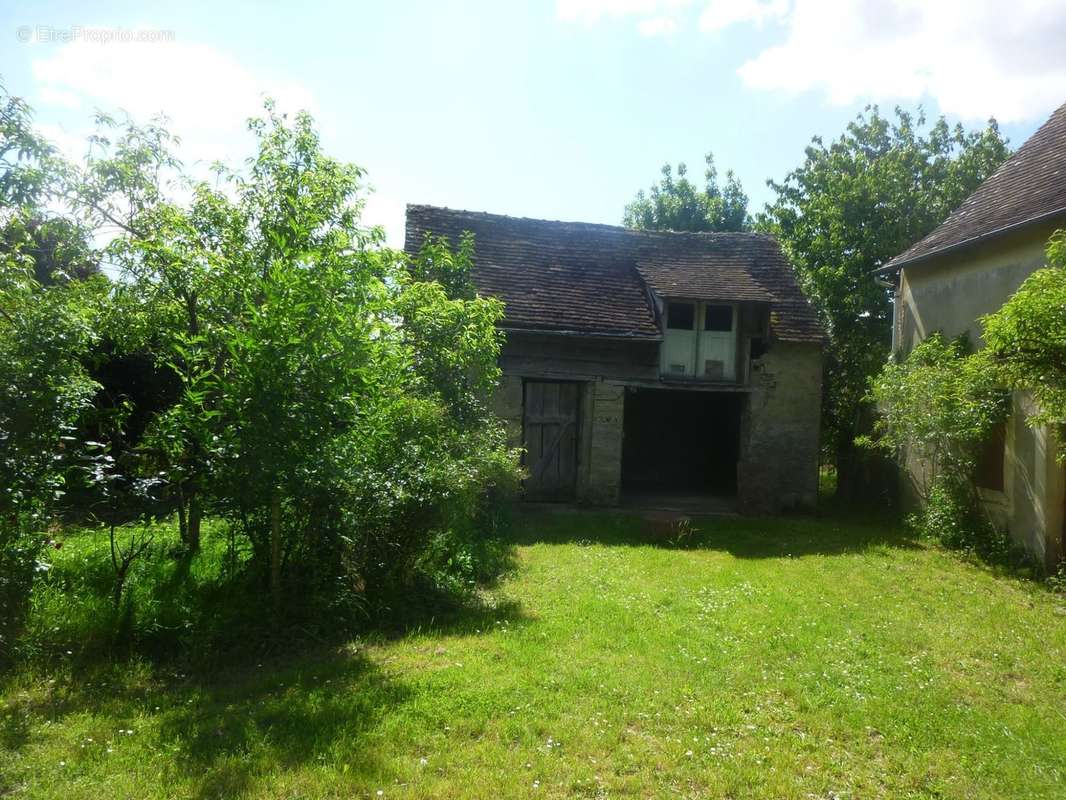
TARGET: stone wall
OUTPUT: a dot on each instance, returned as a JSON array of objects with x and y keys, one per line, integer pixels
[
  {"x": 604, "y": 486},
  {"x": 778, "y": 466},
  {"x": 507, "y": 405},
  {"x": 779, "y": 445}
]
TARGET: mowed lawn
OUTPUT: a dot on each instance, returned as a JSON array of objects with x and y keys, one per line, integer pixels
[{"x": 795, "y": 658}]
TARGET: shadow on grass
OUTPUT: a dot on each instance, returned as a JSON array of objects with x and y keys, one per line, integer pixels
[
  {"x": 230, "y": 726},
  {"x": 226, "y": 731},
  {"x": 428, "y": 612},
  {"x": 253, "y": 722},
  {"x": 234, "y": 701},
  {"x": 742, "y": 537}
]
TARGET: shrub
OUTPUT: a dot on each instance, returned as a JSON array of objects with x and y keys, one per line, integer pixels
[
  {"x": 1027, "y": 340},
  {"x": 325, "y": 395},
  {"x": 936, "y": 407}
]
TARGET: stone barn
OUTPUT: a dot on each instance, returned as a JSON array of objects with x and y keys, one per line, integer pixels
[{"x": 649, "y": 368}]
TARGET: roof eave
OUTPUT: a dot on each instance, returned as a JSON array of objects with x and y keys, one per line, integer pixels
[
  {"x": 703, "y": 297},
  {"x": 895, "y": 265},
  {"x": 622, "y": 337}
]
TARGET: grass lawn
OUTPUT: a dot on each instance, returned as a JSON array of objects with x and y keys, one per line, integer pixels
[{"x": 777, "y": 659}]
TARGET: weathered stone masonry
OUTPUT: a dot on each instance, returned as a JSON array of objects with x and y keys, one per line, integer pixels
[
  {"x": 779, "y": 435},
  {"x": 684, "y": 366}
]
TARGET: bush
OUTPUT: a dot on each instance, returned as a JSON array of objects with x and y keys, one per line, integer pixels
[
  {"x": 43, "y": 392},
  {"x": 1027, "y": 340},
  {"x": 936, "y": 407},
  {"x": 325, "y": 396}
]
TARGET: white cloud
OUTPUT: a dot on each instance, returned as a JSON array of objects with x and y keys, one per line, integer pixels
[
  {"x": 71, "y": 144},
  {"x": 657, "y": 26},
  {"x": 975, "y": 58},
  {"x": 722, "y": 13},
  {"x": 205, "y": 93},
  {"x": 653, "y": 12},
  {"x": 58, "y": 97},
  {"x": 388, "y": 212}
]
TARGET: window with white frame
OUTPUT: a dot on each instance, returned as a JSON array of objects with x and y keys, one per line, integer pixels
[{"x": 699, "y": 340}]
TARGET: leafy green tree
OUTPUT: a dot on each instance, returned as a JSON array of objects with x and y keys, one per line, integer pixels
[
  {"x": 850, "y": 207},
  {"x": 46, "y": 332},
  {"x": 329, "y": 395},
  {"x": 162, "y": 305},
  {"x": 677, "y": 204},
  {"x": 333, "y": 395},
  {"x": 1026, "y": 340}
]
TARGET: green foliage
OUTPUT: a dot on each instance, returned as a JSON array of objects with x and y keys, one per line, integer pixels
[
  {"x": 938, "y": 404},
  {"x": 44, "y": 390},
  {"x": 333, "y": 402},
  {"x": 1026, "y": 339},
  {"x": 46, "y": 332},
  {"x": 852, "y": 206},
  {"x": 677, "y": 204},
  {"x": 936, "y": 408},
  {"x": 324, "y": 395}
]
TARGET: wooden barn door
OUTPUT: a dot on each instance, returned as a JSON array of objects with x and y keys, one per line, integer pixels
[{"x": 550, "y": 433}]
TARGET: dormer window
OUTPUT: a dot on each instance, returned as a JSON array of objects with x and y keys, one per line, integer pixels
[
  {"x": 717, "y": 318},
  {"x": 681, "y": 316},
  {"x": 699, "y": 341}
]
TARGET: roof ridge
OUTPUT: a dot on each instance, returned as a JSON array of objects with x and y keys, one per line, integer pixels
[
  {"x": 580, "y": 276},
  {"x": 1023, "y": 190},
  {"x": 492, "y": 217}
]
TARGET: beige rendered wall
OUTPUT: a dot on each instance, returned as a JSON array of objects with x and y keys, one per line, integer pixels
[{"x": 950, "y": 294}]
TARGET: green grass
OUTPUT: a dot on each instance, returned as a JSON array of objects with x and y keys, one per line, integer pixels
[{"x": 779, "y": 659}]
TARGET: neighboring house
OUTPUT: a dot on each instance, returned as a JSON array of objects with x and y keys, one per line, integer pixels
[
  {"x": 681, "y": 368},
  {"x": 969, "y": 267}
]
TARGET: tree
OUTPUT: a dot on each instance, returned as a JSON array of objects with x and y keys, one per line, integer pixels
[
  {"x": 1026, "y": 340},
  {"x": 676, "y": 204},
  {"x": 849, "y": 208},
  {"x": 158, "y": 309},
  {"x": 333, "y": 396},
  {"x": 46, "y": 332}
]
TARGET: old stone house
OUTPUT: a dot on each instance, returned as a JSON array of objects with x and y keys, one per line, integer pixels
[
  {"x": 969, "y": 267},
  {"x": 680, "y": 368}
]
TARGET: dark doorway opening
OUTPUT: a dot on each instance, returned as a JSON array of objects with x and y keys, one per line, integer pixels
[{"x": 680, "y": 444}]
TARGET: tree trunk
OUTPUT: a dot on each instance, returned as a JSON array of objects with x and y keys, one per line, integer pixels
[
  {"x": 275, "y": 553},
  {"x": 183, "y": 524},
  {"x": 192, "y": 539}
]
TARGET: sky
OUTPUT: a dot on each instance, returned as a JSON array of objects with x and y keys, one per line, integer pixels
[{"x": 557, "y": 109}]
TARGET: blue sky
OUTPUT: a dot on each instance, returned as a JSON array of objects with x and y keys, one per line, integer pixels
[{"x": 560, "y": 110}]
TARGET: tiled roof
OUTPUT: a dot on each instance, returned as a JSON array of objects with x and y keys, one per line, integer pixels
[
  {"x": 1029, "y": 186},
  {"x": 591, "y": 279}
]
